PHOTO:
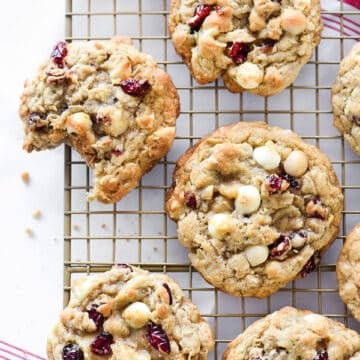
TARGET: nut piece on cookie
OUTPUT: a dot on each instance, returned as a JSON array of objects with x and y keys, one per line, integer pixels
[
  {"x": 118, "y": 317},
  {"x": 111, "y": 103}
]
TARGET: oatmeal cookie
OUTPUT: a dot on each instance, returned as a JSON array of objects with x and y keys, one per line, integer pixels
[
  {"x": 348, "y": 272},
  {"x": 110, "y": 102},
  {"x": 255, "y": 45},
  {"x": 129, "y": 313},
  {"x": 255, "y": 206},
  {"x": 346, "y": 98},
  {"x": 294, "y": 334}
]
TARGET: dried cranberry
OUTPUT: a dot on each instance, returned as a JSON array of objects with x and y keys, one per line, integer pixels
[
  {"x": 135, "y": 87},
  {"x": 116, "y": 152},
  {"x": 167, "y": 288},
  {"x": 157, "y": 337},
  {"x": 281, "y": 246},
  {"x": 96, "y": 316},
  {"x": 275, "y": 183},
  {"x": 201, "y": 12},
  {"x": 238, "y": 52},
  {"x": 72, "y": 352},
  {"x": 190, "y": 199},
  {"x": 124, "y": 266},
  {"x": 102, "y": 344},
  {"x": 295, "y": 184},
  {"x": 321, "y": 355},
  {"x": 267, "y": 45},
  {"x": 356, "y": 119},
  {"x": 58, "y": 54},
  {"x": 311, "y": 265}
]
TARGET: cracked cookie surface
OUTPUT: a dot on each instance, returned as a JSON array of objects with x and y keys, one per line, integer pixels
[
  {"x": 111, "y": 103},
  {"x": 255, "y": 206},
  {"x": 346, "y": 98},
  {"x": 254, "y": 45},
  {"x": 292, "y": 334},
  {"x": 129, "y": 313},
  {"x": 348, "y": 272}
]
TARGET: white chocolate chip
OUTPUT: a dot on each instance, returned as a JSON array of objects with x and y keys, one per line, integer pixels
[
  {"x": 219, "y": 225},
  {"x": 248, "y": 199},
  {"x": 119, "y": 122},
  {"x": 296, "y": 163},
  {"x": 293, "y": 21},
  {"x": 136, "y": 314},
  {"x": 248, "y": 75},
  {"x": 78, "y": 123},
  {"x": 267, "y": 157},
  {"x": 256, "y": 254}
]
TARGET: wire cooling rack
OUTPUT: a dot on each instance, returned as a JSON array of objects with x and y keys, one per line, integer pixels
[{"x": 137, "y": 230}]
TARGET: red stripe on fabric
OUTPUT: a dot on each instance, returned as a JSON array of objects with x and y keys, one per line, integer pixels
[
  {"x": 344, "y": 26},
  {"x": 4, "y": 358},
  {"x": 22, "y": 350},
  {"x": 336, "y": 29},
  {"x": 354, "y": 3},
  {"x": 12, "y": 353}
]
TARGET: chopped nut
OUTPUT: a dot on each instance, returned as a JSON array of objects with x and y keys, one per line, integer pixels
[
  {"x": 36, "y": 214},
  {"x": 29, "y": 231},
  {"x": 315, "y": 208},
  {"x": 25, "y": 177}
]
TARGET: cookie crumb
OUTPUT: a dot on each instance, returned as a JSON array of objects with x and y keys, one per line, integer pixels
[
  {"x": 155, "y": 248},
  {"x": 76, "y": 227},
  {"x": 25, "y": 177},
  {"x": 29, "y": 231},
  {"x": 36, "y": 214},
  {"x": 103, "y": 226}
]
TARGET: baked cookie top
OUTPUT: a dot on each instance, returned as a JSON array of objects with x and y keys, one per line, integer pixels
[
  {"x": 255, "y": 45},
  {"x": 348, "y": 272},
  {"x": 110, "y": 102},
  {"x": 292, "y": 334},
  {"x": 346, "y": 98},
  {"x": 256, "y": 207},
  {"x": 129, "y": 313}
]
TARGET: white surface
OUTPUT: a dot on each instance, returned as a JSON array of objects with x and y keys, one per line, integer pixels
[{"x": 30, "y": 267}]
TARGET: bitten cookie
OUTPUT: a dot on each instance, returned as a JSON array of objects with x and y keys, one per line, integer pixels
[
  {"x": 111, "y": 103},
  {"x": 255, "y": 206},
  {"x": 294, "y": 334},
  {"x": 348, "y": 272},
  {"x": 346, "y": 98},
  {"x": 259, "y": 46},
  {"x": 129, "y": 313}
]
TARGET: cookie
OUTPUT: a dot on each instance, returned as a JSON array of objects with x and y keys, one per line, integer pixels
[
  {"x": 129, "y": 313},
  {"x": 108, "y": 101},
  {"x": 259, "y": 46},
  {"x": 294, "y": 334},
  {"x": 348, "y": 272},
  {"x": 345, "y": 98},
  {"x": 255, "y": 206}
]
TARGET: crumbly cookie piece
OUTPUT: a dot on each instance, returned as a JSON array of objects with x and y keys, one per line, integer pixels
[
  {"x": 348, "y": 272},
  {"x": 129, "y": 313},
  {"x": 111, "y": 103},
  {"x": 255, "y": 45},
  {"x": 256, "y": 207},
  {"x": 292, "y": 334},
  {"x": 345, "y": 98}
]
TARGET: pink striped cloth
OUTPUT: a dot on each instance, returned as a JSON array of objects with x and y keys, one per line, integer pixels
[
  {"x": 344, "y": 20},
  {"x": 11, "y": 352}
]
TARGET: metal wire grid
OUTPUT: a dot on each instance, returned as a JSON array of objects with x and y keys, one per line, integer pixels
[{"x": 137, "y": 230}]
